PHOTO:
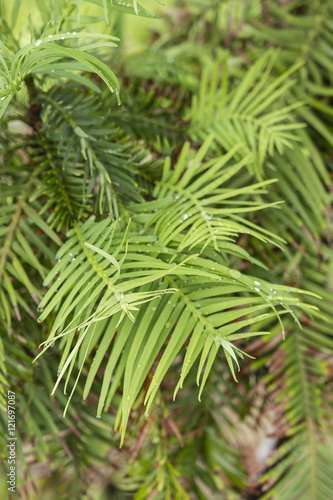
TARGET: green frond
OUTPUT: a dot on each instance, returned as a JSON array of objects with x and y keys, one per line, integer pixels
[
  {"x": 92, "y": 151},
  {"x": 152, "y": 115},
  {"x": 67, "y": 200},
  {"x": 45, "y": 56},
  {"x": 109, "y": 8},
  {"x": 99, "y": 280},
  {"x": 250, "y": 115},
  {"x": 20, "y": 266},
  {"x": 193, "y": 209}
]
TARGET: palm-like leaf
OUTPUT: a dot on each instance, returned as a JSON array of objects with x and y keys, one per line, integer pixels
[
  {"x": 246, "y": 116},
  {"x": 99, "y": 279},
  {"x": 19, "y": 264},
  {"x": 43, "y": 56}
]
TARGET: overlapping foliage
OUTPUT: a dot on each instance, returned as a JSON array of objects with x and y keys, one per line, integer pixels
[{"x": 145, "y": 244}]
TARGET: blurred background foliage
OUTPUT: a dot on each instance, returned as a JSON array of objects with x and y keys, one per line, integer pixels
[{"x": 225, "y": 111}]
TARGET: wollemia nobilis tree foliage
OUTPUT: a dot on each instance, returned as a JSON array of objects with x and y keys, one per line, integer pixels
[{"x": 166, "y": 260}]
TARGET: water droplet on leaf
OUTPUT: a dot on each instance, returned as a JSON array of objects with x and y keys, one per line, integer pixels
[{"x": 234, "y": 274}]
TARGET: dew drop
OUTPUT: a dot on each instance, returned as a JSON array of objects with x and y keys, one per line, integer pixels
[
  {"x": 234, "y": 274},
  {"x": 38, "y": 43}
]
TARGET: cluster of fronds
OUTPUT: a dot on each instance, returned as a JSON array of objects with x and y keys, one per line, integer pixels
[{"x": 158, "y": 211}]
